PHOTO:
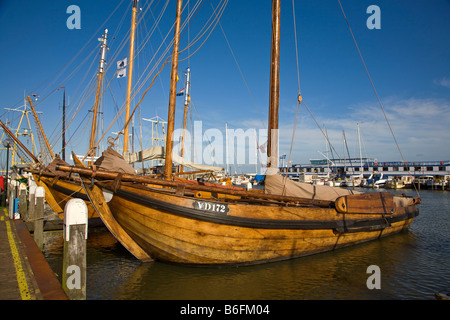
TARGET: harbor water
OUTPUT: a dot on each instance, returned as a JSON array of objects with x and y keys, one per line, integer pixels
[{"x": 413, "y": 265}]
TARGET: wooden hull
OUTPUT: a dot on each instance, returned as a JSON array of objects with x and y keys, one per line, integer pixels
[
  {"x": 58, "y": 192},
  {"x": 174, "y": 228}
]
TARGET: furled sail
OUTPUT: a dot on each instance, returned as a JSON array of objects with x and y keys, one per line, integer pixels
[
  {"x": 277, "y": 184},
  {"x": 113, "y": 161},
  {"x": 186, "y": 163},
  {"x": 158, "y": 153},
  {"x": 153, "y": 153}
]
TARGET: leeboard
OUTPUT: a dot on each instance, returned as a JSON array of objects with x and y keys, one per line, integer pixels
[{"x": 97, "y": 199}]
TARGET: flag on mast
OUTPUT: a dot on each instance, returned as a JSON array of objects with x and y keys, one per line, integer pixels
[
  {"x": 122, "y": 63},
  {"x": 181, "y": 92},
  {"x": 122, "y": 73}
]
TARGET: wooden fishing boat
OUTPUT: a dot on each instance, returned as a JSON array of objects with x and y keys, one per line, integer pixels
[
  {"x": 195, "y": 224},
  {"x": 192, "y": 223}
]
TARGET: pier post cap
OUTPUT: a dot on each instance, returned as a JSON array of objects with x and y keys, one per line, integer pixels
[
  {"x": 75, "y": 213},
  {"x": 31, "y": 192},
  {"x": 31, "y": 183},
  {"x": 40, "y": 192}
]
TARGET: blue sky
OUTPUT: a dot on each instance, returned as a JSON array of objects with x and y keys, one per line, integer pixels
[{"x": 408, "y": 60}]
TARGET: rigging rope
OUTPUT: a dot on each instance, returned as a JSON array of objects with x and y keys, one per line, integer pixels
[
  {"x": 197, "y": 38},
  {"x": 299, "y": 98},
  {"x": 373, "y": 86}
]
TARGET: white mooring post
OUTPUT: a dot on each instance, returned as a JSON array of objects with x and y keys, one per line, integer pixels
[
  {"x": 31, "y": 203},
  {"x": 11, "y": 197},
  {"x": 23, "y": 203},
  {"x": 38, "y": 223},
  {"x": 74, "y": 258}
]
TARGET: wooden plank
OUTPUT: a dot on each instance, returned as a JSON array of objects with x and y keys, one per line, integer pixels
[
  {"x": 373, "y": 203},
  {"x": 101, "y": 206}
]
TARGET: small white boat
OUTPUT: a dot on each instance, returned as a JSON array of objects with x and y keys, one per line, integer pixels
[{"x": 376, "y": 180}]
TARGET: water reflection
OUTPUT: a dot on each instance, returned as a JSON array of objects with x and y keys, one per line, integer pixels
[{"x": 414, "y": 265}]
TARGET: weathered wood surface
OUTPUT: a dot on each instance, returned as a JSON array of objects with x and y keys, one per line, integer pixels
[
  {"x": 58, "y": 199},
  {"x": 181, "y": 239},
  {"x": 368, "y": 203},
  {"x": 163, "y": 221},
  {"x": 101, "y": 206},
  {"x": 52, "y": 202}
]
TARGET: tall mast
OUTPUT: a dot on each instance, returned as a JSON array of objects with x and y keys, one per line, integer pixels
[
  {"x": 360, "y": 154},
  {"x": 187, "y": 99},
  {"x": 63, "y": 147},
  {"x": 172, "y": 97},
  {"x": 226, "y": 148},
  {"x": 130, "y": 76},
  {"x": 101, "y": 71},
  {"x": 274, "y": 98},
  {"x": 40, "y": 127}
]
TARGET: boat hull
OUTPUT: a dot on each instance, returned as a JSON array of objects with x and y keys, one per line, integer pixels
[
  {"x": 58, "y": 192},
  {"x": 171, "y": 228}
]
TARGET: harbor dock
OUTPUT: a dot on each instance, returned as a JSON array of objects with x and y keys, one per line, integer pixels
[{"x": 24, "y": 272}]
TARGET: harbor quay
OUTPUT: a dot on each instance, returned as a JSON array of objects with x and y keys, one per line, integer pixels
[
  {"x": 352, "y": 172},
  {"x": 24, "y": 272}
]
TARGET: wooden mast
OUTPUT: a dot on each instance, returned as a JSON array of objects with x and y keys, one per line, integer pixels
[
  {"x": 40, "y": 127},
  {"x": 32, "y": 156},
  {"x": 63, "y": 142},
  {"x": 172, "y": 97},
  {"x": 130, "y": 76},
  {"x": 274, "y": 98},
  {"x": 101, "y": 71}
]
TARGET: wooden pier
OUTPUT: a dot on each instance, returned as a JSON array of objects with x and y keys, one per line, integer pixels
[{"x": 24, "y": 272}]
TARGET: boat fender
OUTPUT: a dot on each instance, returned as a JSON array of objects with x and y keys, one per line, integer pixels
[{"x": 108, "y": 195}]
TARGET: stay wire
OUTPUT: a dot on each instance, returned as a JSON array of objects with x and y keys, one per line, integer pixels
[{"x": 373, "y": 86}]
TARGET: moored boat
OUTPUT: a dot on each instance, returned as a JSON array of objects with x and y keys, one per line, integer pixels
[
  {"x": 175, "y": 221},
  {"x": 186, "y": 224}
]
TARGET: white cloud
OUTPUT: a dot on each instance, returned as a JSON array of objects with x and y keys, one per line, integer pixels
[
  {"x": 444, "y": 82},
  {"x": 421, "y": 128}
]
